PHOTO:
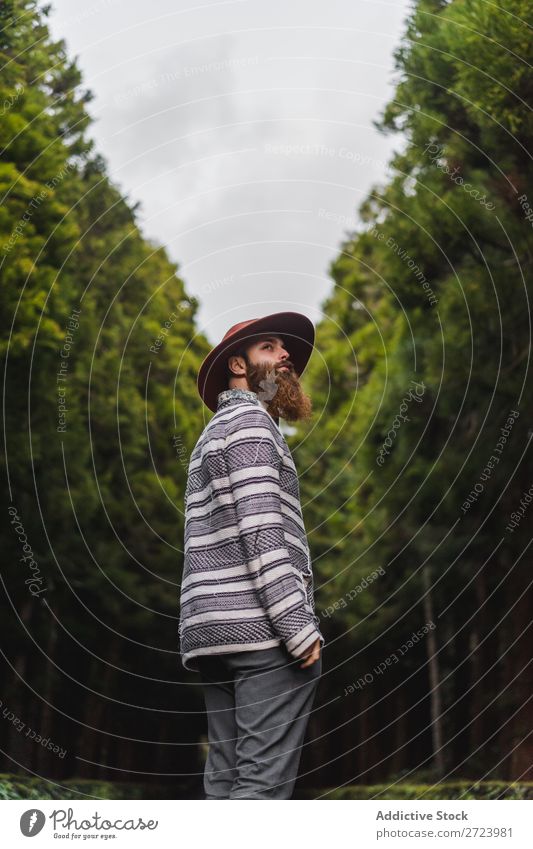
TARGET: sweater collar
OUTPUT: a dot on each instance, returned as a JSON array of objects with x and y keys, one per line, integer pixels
[
  {"x": 236, "y": 396},
  {"x": 229, "y": 397}
]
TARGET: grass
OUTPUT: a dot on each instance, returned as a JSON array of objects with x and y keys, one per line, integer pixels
[
  {"x": 22, "y": 787},
  {"x": 463, "y": 789}
]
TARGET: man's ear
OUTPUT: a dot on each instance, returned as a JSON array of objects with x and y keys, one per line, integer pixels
[{"x": 236, "y": 360}]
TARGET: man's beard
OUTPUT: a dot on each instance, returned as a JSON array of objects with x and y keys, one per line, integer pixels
[{"x": 280, "y": 391}]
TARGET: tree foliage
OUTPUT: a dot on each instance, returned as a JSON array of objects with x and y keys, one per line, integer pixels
[
  {"x": 100, "y": 360},
  {"x": 434, "y": 291}
]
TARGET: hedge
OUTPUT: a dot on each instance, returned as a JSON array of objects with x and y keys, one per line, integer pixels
[
  {"x": 464, "y": 789},
  {"x": 20, "y": 787}
]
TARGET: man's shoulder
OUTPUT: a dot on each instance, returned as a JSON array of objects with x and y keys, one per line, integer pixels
[
  {"x": 230, "y": 421},
  {"x": 246, "y": 417}
]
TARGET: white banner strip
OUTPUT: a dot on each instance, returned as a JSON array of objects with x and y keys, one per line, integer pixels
[{"x": 309, "y": 823}]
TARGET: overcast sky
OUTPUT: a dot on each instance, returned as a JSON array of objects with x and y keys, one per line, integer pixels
[{"x": 245, "y": 130}]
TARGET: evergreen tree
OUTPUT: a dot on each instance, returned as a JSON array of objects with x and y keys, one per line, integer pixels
[
  {"x": 93, "y": 416},
  {"x": 434, "y": 293}
]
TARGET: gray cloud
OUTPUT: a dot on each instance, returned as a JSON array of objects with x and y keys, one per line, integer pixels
[{"x": 245, "y": 129}]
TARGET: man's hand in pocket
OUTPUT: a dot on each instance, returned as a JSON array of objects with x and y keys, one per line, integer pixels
[{"x": 312, "y": 655}]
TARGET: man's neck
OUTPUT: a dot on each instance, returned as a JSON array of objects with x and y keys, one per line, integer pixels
[{"x": 240, "y": 384}]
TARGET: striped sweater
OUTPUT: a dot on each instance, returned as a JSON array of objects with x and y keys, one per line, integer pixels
[{"x": 247, "y": 578}]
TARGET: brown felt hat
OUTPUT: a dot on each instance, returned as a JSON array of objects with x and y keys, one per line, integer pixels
[{"x": 299, "y": 336}]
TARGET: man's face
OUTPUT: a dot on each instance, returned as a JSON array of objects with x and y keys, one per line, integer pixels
[{"x": 270, "y": 373}]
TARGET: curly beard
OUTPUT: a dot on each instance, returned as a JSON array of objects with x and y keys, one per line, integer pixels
[{"x": 279, "y": 391}]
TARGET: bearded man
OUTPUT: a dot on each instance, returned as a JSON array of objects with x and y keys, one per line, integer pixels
[{"x": 247, "y": 614}]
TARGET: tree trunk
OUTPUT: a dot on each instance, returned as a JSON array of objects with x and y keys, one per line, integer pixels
[{"x": 434, "y": 680}]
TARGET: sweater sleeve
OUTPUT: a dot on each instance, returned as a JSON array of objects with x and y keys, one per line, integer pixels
[{"x": 253, "y": 461}]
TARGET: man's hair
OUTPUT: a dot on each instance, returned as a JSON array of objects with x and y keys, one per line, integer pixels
[{"x": 240, "y": 352}]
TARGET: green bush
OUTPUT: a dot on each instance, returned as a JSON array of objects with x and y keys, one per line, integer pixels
[
  {"x": 463, "y": 789},
  {"x": 20, "y": 787}
]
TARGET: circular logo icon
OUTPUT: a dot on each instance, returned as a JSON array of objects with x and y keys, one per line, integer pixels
[{"x": 31, "y": 822}]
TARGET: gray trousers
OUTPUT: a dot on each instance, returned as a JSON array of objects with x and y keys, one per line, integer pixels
[{"x": 258, "y": 705}]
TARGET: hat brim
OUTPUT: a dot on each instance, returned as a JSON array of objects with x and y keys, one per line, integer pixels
[{"x": 299, "y": 337}]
